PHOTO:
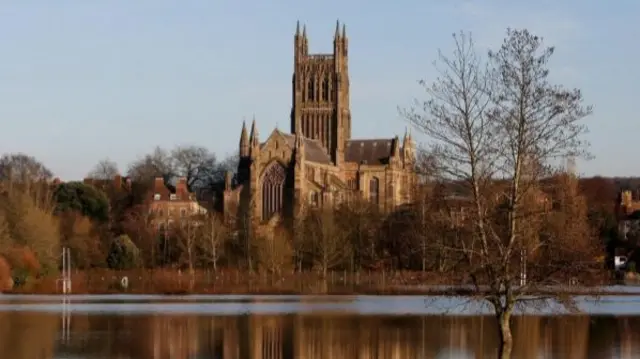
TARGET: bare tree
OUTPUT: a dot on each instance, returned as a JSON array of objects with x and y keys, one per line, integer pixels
[
  {"x": 22, "y": 168},
  {"x": 156, "y": 164},
  {"x": 501, "y": 119},
  {"x": 228, "y": 164},
  {"x": 245, "y": 238},
  {"x": 359, "y": 221},
  {"x": 215, "y": 235},
  {"x": 105, "y": 169},
  {"x": 196, "y": 163},
  {"x": 327, "y": 241},
  {"x": 274, "y": 250},
  {"x": 189, "y": 236}
]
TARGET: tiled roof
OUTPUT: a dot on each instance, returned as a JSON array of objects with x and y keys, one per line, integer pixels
[
  {"x": 369, "y": 151},
  {"x": 313, "y": 150},
  {"x": 366, "y": 151},
  {"x": 164, "y": 190}
]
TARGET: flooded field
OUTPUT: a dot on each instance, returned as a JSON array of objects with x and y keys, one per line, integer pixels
[{"x": 280, "y": 327}]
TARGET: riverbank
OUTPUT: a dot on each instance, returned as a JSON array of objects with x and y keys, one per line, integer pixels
[
  {"x": 167, "y": 281},
  {"x": 176, "y": 282}
]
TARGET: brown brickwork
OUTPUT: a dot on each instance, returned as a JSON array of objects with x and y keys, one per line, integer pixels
[{"x": 171, "y": 205}]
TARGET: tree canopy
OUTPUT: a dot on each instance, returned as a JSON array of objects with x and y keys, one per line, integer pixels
[{"x": 82, "y": 198}]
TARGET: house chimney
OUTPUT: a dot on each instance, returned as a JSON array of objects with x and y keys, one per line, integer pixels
[
  {"x": 181, "y": 186},
  {"x": 158, "y": 184},
  {"x": 117, "y": 181}
]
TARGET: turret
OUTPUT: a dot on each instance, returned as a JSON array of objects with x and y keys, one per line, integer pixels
[
  {"x": 254, "y": 140},
  {"x": 338, "y": 46},
  {"x": 300, "y": 44},
  {"x": 395, "y": 158},
  {"x": 244, "y": 141},
  {"x": 408, "y": 149}
]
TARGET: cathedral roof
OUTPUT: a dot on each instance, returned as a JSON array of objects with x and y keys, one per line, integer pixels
[
  {"x": 313, "y": 150},
  {"x": 374, "y": 151}
]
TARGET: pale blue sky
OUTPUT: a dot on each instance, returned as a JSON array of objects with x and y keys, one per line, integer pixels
[{"x": 84, "y": 80}]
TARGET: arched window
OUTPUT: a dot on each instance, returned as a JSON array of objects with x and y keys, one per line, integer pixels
[
  {"x": 374, "y": 190},
  {"x": 311, "y": 86},
  {"x": 325, "y": 89},
  {"x": 272, "y": 190}
]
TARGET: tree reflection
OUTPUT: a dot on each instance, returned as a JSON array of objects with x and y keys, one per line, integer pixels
[{"x": 31, "y": 335}]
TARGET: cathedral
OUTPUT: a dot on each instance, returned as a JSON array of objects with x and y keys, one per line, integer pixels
[{"x": 317, "y": 164}]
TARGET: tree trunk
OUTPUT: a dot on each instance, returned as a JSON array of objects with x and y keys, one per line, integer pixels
[
  {"x": 506, "y": 339},
  {"x": 215, "y": 257},
  {"x": 190, "y": 256}
]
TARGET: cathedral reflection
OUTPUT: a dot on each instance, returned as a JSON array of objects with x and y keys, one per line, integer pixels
[{"x": 329, "y": 336}]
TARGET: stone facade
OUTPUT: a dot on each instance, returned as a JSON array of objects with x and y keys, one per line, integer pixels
[{"x": 318, "y": 163}]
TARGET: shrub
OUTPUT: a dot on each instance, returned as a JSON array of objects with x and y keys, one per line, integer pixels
[
  {"x": 123, "y": 254},
  {"x": 6, "y": 282},
  {"x": 23, "y": 264}
]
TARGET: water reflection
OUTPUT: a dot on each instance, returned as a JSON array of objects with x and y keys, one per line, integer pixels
[{"x": 29, "y": 335}]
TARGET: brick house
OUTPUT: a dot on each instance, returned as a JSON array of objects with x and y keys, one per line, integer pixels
[{"x": 172, "y": 204}]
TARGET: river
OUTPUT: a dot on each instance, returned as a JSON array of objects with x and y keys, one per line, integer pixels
[{"x": 306, "y": 327}]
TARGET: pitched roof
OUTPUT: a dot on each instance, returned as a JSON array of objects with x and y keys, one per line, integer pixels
[
  {"x": 375, "y": 151},
  {"x": 313, "y": 150}
]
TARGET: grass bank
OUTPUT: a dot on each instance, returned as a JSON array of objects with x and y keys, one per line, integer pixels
[
  {"x": 176, "y": 282},
  {"x": 170, "y": 281}
]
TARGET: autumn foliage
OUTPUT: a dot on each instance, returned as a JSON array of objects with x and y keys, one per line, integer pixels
[
  {"x": 427, "y": 236},
  {"x": 6, "y": 281}
]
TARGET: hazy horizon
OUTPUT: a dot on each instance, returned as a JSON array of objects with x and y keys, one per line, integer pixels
[{"x": 81, "y": 81}]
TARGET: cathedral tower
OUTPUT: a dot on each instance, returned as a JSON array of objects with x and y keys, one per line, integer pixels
[{"x": 320, "y": 85}]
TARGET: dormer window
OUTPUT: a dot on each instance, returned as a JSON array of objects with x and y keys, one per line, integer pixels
[
  {"x": 173, "y": 197},
  {"x": 156, "y": 197}
]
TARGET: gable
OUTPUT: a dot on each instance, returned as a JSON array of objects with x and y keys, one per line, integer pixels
[
  {"x": 278, "y": 139},
  {"x": 313, "y": 150}
]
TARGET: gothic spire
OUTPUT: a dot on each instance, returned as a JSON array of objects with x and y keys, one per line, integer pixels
[
  {"x": 396, "y": 146},
  {"x": 244, "y": 140},
  {"x": 253, "y": 137},
  {"x": 337, "y": 35}
]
